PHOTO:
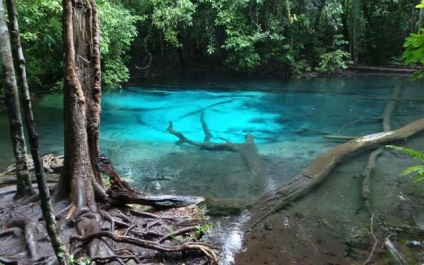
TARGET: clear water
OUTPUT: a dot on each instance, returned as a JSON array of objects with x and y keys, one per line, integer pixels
[{"x": 287, "y": 118}]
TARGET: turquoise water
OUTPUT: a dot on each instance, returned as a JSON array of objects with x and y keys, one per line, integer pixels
[{"x": 288, "y": 120}]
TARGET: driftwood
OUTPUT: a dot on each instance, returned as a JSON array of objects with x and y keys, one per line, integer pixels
[
  {"x": 121, "y": 193},
  {"x": 320, "y": 167},
  {"x": 51, "y": 164},
  {"x": 247, "y": 150},
  {"x": 227, "y": 146}
]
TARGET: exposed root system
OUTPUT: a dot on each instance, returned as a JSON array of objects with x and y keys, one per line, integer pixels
[{"x": 115, "y": 234}]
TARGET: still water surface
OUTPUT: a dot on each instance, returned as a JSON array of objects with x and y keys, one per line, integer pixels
[{"x": 287, "y": 118}]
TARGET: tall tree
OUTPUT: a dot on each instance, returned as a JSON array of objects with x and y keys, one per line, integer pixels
[
  {"x": 46, "y": 206},
  {"x": 24, "y": 187},
  {"x": 82, "y": 94}
]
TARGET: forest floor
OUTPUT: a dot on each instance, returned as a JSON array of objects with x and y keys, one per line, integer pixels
[{"x": 114, "y": 234}]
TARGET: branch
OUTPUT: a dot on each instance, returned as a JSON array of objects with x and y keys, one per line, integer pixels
[{"x": 204, "y": 145}]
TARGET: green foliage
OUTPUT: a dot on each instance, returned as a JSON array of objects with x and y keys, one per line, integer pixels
[
  {"x": 331, "y": 62},
  {"x": 414, "y": 51},
  {"x": 244, "y": 35},
  {"x": 240, "y": 34},
  {"x": 172, "y": 15},
  {"x": 414, "y": 48},
  {"x": 117, "y": 31},
  {"x": 417, "y": 170},
  {"x": 41, "y": 32},
  {"x": 79, "y": 261},
  {"x": 201, "y": 230},
  {"x": 40, "y": 25}
]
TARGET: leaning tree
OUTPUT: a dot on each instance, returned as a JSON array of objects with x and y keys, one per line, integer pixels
[
  {"x": 24, "y": 187},
  {"x": 79, "y": 181}
]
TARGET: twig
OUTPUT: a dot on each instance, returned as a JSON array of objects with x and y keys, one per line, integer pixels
[
  {"x": 375, "y": 240},
  {"x": 176, "y": 233}
]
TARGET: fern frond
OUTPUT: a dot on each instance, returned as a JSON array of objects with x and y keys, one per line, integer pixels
[
  {"x": 414, "y": 153},
  {"x": 419, "y": 170}
]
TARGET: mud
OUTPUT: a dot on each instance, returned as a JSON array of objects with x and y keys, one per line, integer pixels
[{"x": 331, "y": 225}]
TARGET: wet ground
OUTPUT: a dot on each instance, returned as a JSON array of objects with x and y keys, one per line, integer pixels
[{"x": 331, "y": 225}]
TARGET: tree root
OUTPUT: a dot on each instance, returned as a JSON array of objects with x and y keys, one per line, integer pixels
[
  {"x": 29, "y": 228},
  {"x": 157, "y": 235},
  {"x": 369, "y": 169},
  {"x": 207, "y": 250}
]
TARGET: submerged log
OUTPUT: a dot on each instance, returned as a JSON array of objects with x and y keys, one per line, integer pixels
[
  {"x": 318, "y": 170},
  {"x": 121, "y": 193},
  {"x": 247, "y": 151}
]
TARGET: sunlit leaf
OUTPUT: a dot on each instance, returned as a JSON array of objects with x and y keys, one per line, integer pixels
[{"x": 409, "y": 151}]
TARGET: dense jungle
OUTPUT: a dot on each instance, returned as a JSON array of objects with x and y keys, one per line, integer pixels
[{"x": 211, "y": 132}]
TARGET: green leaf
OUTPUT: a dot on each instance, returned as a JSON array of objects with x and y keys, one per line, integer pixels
[
  {"x": 419, "y": 170},
  {"x": 411, "y": 152}
]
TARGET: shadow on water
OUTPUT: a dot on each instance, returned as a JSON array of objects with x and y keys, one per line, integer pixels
[{"x": 288, "y": 120}]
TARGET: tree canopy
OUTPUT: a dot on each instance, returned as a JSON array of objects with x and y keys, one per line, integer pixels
[{"x": 280, "y": 36}]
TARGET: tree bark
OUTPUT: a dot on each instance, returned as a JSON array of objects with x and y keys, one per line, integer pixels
[
  {"x": 318, "y": 170},
  {"x": 81, "y": 105},
  {"x": 24, "y": 187},
  {"x": 45, "y": 201}
]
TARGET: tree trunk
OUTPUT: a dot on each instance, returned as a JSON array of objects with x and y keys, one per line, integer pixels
[
  {"x": 81, "y": 105},
  {"x": 24, "y": 187},
  {"x": 46, "y": 206}
]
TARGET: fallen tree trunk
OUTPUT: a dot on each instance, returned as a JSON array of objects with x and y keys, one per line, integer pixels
[
  {"x": 318, "y": 170},
  {"x": 247, "y": 151},
  {"x": 382, "y": 69}
]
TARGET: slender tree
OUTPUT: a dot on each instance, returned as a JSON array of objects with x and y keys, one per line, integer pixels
[
  {"x": 82, "y": 94},
  {"x": 24, "y": 187},
  {"x": 46, "y": 206}
]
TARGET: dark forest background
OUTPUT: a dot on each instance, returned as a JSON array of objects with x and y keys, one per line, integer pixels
[{"x": 258, "y": 37}]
